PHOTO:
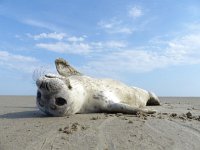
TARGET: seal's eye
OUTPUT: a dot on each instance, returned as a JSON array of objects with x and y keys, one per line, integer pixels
[{"x": 60, "y": 101}]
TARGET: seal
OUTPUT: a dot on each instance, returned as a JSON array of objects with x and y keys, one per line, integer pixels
[{"x": 71, "y": 92}]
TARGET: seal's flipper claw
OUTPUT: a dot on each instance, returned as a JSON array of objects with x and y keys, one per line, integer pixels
[{"x": 64, "y": 68}]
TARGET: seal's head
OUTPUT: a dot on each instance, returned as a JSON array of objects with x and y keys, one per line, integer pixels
[
  {"x": 53, "y": 95},
  {"x": 54, "y": 90}
]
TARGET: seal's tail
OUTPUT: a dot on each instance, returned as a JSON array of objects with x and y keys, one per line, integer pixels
[{"x": 153, "y": 100}]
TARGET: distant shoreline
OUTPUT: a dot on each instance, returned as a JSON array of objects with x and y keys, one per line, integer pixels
[{"x": 158, "y": 96}]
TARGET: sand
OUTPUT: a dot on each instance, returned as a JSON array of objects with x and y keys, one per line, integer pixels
[{"x": 176, "y": 126}]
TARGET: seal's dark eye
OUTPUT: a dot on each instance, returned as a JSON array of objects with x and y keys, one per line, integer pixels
[
  {"x": 39, "y": 94},
  {"x": 60, "y": 101}
]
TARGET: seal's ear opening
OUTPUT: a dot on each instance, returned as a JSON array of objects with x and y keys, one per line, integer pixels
[{"x": 64, "y": 68}]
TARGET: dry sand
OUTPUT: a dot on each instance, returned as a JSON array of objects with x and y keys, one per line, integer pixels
[{"x": 176, "y": 126}]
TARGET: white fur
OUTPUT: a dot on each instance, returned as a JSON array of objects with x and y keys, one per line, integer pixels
[{"x": 88, "y": 95}]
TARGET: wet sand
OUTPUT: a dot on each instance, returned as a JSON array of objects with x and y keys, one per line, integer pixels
[{"x": 176, "y": 126}]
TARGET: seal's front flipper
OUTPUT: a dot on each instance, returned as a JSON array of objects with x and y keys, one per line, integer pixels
[
  {"x": 126, "y": 109},
  {"x": 64, "y": 68}
]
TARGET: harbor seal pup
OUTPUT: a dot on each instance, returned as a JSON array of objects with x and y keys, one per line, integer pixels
[{"x": 71, "y": 92}]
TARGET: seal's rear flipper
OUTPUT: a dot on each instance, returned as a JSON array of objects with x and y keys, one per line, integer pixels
[
  {"x": 126, "y": 109},
  {"x": 64, "y": 68},
  {"x": 153, "y": 100}
]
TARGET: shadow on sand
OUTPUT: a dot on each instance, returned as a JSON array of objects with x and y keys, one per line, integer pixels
[{"x": 24, "y": 114}]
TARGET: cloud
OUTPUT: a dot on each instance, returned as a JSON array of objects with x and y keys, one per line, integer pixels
[
  {"x": 82, "y": 47},
  {"x": 135, "y": 12},
  {"x": 193, "y": 27},
  {"x": 185, "y": 49},
  {"x": 126, "y": 24},
  {"x": 115, "y": 44},
  {"x": 18, "y": 62},
  {"x": 74, "y": 44},
  {"x": 115, "y": 26},
  {"x": 126, "y": 61},
  {"x": 112, "y": 45},
  {"x": 41, "y": 24},
  {"x": 64, "y": 43},
  {"x": 182, "y": 50},
  {"x": 57, "y": 36},
  {"x": 68, "y": 48},
  {"x": 75, "y": 39},
  {"x": 52, "y": 35}
]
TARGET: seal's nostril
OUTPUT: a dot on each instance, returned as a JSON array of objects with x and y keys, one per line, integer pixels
[
  {"x": 60, "y": 101},
  {"x": 39, "y": 94}
]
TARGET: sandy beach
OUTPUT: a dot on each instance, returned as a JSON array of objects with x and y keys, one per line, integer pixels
[{"x": 176, "y": 126}]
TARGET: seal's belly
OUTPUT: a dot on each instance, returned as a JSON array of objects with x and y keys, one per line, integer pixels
[
  {"x": 102, "y": 90},
  {"x": 124, "y": 94}
]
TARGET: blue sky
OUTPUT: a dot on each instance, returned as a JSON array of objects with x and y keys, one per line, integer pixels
[{"x": 153, "y": 44}]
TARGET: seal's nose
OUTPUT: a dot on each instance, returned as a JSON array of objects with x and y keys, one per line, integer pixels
[{"x": 40, "y": 83}]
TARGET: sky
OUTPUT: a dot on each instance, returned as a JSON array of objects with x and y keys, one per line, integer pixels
[{"x": 151, "y": 44}]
